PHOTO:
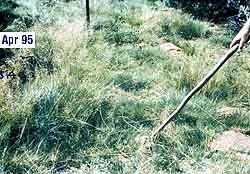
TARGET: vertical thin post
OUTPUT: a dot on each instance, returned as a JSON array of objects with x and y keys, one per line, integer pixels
[{"x": 87, "y": 13}]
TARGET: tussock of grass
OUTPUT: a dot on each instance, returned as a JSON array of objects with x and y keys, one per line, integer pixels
[
  {"x": 128, "y": 82},
  {"x": 118, "y": 37},
  {"x": 223, "y": 39},
  {"x": 184, "y": 26}
]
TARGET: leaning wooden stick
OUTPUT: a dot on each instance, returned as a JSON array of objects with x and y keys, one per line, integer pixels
[{"x": 196, "y": 89}]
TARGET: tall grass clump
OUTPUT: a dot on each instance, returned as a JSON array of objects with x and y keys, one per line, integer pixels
[
  {"x": 51, "y": 116},
  {"x": 120, "y": 25},
  {"x": 147, "y": 55},
  {"x": 223, "y": 39},
  {"x": 129, "y": 82},
  {"x": 120, "y": 34},
  {"x": 126, "y": 11},
  {"x": 128, "y": 113},
  {"x": 225, "y": 85},
  {"x": 183, "y": 26}
]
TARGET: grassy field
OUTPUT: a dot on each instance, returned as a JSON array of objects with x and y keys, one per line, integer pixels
[{"x": 86, "y": 99}]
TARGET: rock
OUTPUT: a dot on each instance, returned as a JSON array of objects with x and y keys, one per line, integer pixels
[
  {"x": 231, "y": 141},
  {"x": 170, "y": 48}
]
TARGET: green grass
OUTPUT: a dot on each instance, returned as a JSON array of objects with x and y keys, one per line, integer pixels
[
  {"x": 184, "y": 26},
  {"x": 223, "y": 39},
  {"x": 85, "y": 101}
]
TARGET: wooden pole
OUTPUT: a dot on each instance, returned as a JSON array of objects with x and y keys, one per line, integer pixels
[
  {"x": 196, "y": 89},
  {"x": 87, "y": 13}
]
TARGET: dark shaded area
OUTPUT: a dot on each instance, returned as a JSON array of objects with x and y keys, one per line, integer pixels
[
  {"x": 11, "y": 21},
  {"x": 87, "y": 12},
  {"x": 129, "y": 83},
  {"x": 7, "y": 16},
  {"x": 7, "y": 13},
  {"x": 4, "y": 55},
  {"x": 212, "y": 10}
]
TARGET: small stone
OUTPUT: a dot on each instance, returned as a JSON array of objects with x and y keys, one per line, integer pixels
[
  {"x": 169, "y": 47},
  {"x": 231, "y": 141}
]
